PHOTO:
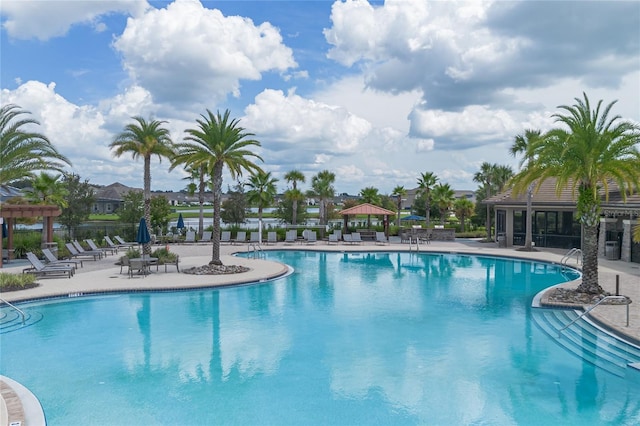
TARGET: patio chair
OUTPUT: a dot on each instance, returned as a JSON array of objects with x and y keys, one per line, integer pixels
[
  {"x": 225, "y": 237},
  {"x": 311, "y": 237},
  {"x": 190, "y": 237},
  {"x": 348, "y": 238},
  {"x": 125, "y": 243},
  {"x": 241, "y": 237},
  {"x": 76, "y": 254},
  {"x": 81, "y": 249},
  {"x": 39, "y": 268},
  {"x": 272, "y": 237},
  {"x": 254, "y": 237},
  {"x": 174, "y": 263},
  {"x": 206, "y": 237},
  {"x": 333, "y": 239},
  {"x": 51, "y": 259},
  {"x": 381, "y": 239},
  {"x": 291, "y": 237},
  {"x": 356, "y": 238},
  {"x": 94, "y": 247}
]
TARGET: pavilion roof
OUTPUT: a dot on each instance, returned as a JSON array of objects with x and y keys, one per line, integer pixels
[{"x": 366, "y": 208}]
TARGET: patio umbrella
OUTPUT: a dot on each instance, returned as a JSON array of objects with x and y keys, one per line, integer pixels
[
  {"x": 413, "y": 217},
  {"x": 143, "y": 236},
  {"x": 180, "y": 224}
]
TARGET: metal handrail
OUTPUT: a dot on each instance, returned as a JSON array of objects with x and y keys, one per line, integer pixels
[
  {"x": 592, "y": 308},
  {"x": 574, "y": 251},
  {"x": 22, "y": 314},
  {"x": 254, "y": 248}
]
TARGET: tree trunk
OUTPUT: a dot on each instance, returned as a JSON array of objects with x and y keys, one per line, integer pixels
[
  {"x": 427, "y": 206},
  {"x": 201, "y": 202},
  {"x": 294, "y": 210},
  {"x": 529, "y": 222},
  {"x": 217, "y": 202},
  {"x": 589, "y": 282},
  {"x": 146, "y": 248}
]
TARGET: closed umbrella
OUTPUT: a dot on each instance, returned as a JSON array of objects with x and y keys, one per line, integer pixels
[
  {"x": 180, "y": 224},
  {"x": 5, "y": 232},
  {"x": 143, "y": 236}
]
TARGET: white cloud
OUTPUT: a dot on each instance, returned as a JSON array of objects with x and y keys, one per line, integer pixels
[
  {"x": 46, "y": 19},
  {"x": 187, "y": 53}
]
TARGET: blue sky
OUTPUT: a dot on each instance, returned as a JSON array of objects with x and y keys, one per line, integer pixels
[{"x": 377, "y": 92}]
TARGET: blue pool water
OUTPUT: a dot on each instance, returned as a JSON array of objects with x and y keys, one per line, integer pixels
[{"x": 348, "y": 338}]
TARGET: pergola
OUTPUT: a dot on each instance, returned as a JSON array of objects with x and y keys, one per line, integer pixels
[
  {"x": 368, "y": 209},
  {"x": 10, "y": 212}
]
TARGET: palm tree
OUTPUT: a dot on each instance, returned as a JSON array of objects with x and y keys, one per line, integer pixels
[
  {"x": 370, "y": 195},
  {"x": 196, "y": 173},
  {"x": 47, "y": 189},
  {"x": 143, "y": 139},
  {"x": 294, "y": 194},
  {"x": 24, "y": 152},
  {"x": 218, "y": 141},
  {"x": 322, "y": 188},
  {"x": 463, "y": 208},
  {"x": 443, "y": 196},
  {"x": 589, "y": 154},
  {"x": 426, "y": 182},
  {"x": 262, "y": 192},
  {"x": 399, "y": 192},
  {"x": 484, "y": 177},
  {"x": 526, "y": 144}
]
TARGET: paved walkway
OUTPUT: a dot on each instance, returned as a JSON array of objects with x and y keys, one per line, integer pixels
[{"x": 104, "y": 275}]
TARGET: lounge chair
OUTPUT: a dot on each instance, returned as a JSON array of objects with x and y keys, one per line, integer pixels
[
  {"x": 94, "y": 247},
  {"x": 356, "y": 238},
  {"x": 113, "y": 245},
  {"x": 254, "y": 237},
  {"x": 51, "y": 259},
  {"x": 81, "y": 249},
  {"x": 241, "y": 237},
  {"x": 347, "y": 238},
  {"x": 190, "y": 237},
  {"x": 381, "y": 239},
  {"x": 333, "y": 239},
  {"x": 125, "y": 243},
  {"x": 225, "y": 237},
  {"x": 311, "y": 237},
  {"x": 206, "y": 237},
  {"x": 291, "y": 237},
  {"x": 272, "y": 237},
  {"x": 76, "y": 254},
  {"x": 39, "y": 268}
]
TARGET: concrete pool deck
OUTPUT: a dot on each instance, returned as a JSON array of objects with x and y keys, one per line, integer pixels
[{"x": 104, "y": 276}]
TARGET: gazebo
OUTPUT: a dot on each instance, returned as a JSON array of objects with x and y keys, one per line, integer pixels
[
  {"x": 368, "y": 209},
  {"x": 9, "y": 212}
]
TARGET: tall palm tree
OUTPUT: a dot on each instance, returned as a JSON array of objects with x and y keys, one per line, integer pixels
[
  {"x": 370, "y": 195},
  {"x": 443, "y": 196},
  {"x": 526, "y": 144},
  {"x": 293, "y": 177},
  {"x": 47, "y": 189},
  {"x": 199, "y": 174},
  {"x": 426, "y": 182},
  {"x": 484, "y": 177},
  {"x": 262, "y": 192},
  {"x": 399, "y": 192},
  {"x": 589, "y": 153},
  {"x": 144, "y": 139},
  {"x": 322, "y": 188},
  {"x": 24, "y": 152},
  {"x": 218, "y": 141},
  {"x": 463, "y": 208}
]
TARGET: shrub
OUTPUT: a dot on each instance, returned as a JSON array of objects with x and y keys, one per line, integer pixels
[
  {"x": 164, "y": 256},
  {"x": 12, "y": 282}
]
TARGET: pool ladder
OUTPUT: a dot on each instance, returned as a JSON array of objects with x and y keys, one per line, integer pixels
[
  {"x": 18, "y": 310},
  {"x": 567, "y": 257},
  {"x": 255, "y": 249}
]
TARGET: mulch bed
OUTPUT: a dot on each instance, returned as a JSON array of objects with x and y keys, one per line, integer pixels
[{"x": 216, "y": 270}]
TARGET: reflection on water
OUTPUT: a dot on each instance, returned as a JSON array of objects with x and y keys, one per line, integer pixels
[{"x": 348, "y": 338}]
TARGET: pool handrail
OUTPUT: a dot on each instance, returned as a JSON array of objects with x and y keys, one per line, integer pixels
[
  {"x": 592, "y": 308},
  {"x": 20, "y": 311}
]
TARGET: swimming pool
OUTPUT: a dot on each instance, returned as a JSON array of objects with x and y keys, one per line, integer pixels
[{"x": 348, "y": 338}]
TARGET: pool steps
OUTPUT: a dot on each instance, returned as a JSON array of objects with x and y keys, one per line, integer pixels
[
  {"x": 11, "y": 320},
  {"x": 590, "y": 342}
]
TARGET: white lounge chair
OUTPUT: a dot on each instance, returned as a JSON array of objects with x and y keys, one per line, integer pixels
[
  {"x": 291, "y": 236},
  {"x": 206, "y": 237},
  {"x": 225, "y": 237},
  {"x": 311, "y": 237},
  {"x": 190, "y": 237},
  {"x": 272, "y": 237},
  {"x": 241, "y": 237},
  {"x": 381, "y": 239},
  {"x": 254, "y": 237},
  {"x": 333, "y": 239},
  {"x": 356, "y": 238}
]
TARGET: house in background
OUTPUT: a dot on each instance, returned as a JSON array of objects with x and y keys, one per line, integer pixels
[
  {"x": 109, "y": 198},
  {"x": 555, "y": 223}
]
